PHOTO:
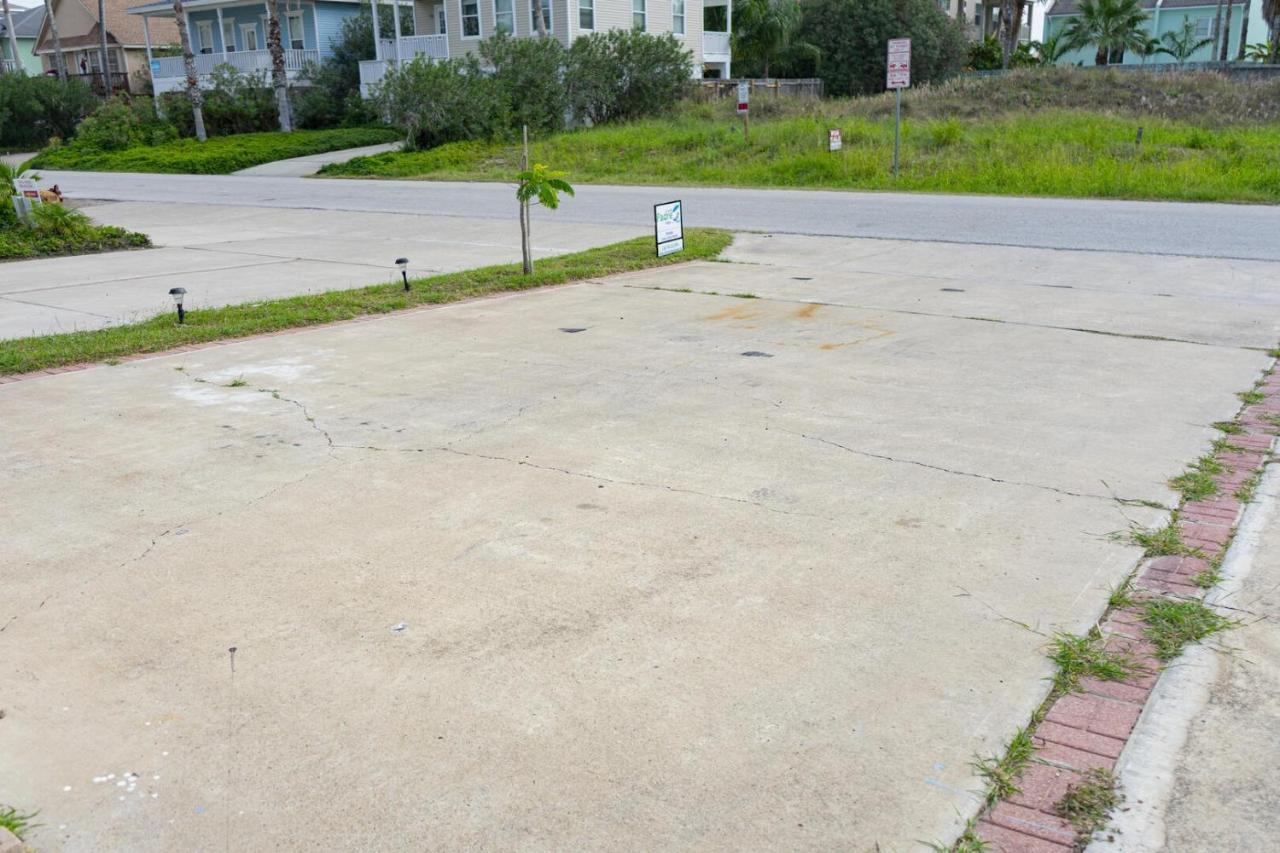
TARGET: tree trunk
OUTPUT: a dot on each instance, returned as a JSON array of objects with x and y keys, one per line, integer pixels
[
  {"x": 526, "y": 251},
  {"x": 1275, "y": 37},
  {"x": 59, "y": 61},
  {"x": 13, "y": 38},
  {"x": 1226, "y": 34},
  {"x": 1101, "y": 57},
  {"x": 1006, "y": 20},
  {"x": 279, "y": 78},
  {"x": 539, "y": 22},
  {"x": 1217, "y": 32},
  {"x": 1244, "y": 31},
  {"x": 189, "y": 64},
  {"x": 103, "y": 56}
]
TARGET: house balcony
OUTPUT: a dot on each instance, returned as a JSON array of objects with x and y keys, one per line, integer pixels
[
  {"x": 8, "y": 66},
  {"x": 169, "y": 73},
  {"x": 373, "y": 70},
  {"x": 715, "y": 47}
]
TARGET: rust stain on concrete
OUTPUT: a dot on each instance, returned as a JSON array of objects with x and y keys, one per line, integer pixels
[
  {"x": 735, "y": 312},
  {"x": 806, "y": 312}
]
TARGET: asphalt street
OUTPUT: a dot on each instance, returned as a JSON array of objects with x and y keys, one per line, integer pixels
[{"x": 1165, "y": 228}]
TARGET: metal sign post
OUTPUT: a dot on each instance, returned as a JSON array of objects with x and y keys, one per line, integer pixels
[
  {"x": 743, "y": 109},
  {"x": 668, "y": 228},
  {"x": 898, "y": 77}
]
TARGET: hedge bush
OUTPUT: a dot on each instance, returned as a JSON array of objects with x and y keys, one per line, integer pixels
[{"x": 33, "y": 110}]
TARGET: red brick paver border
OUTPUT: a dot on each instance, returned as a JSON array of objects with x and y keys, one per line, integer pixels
[{"x": 1088, "y": 730}]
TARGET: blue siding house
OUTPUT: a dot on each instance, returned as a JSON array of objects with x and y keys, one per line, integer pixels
[
  {"x": 1168, "y": 16},
  {"x": 234, "y": 32}
]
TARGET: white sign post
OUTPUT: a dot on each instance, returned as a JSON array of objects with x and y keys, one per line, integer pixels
[
  {"x": 25, "y": 199},
  {"x": 835, "y": 141},
  {"x": 897, "y": 78},
  {"x": 668, "y": 228},
  {"x": 744, "y": 106}
]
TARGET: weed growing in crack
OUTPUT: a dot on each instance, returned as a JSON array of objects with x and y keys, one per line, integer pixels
[
  {"x": 1248, "y": 488},
  {"x": 744, "y": 296},
  {"x": 1207, "y": 579},
  {"x": 968, "y": 842},
  {"x": 16, "y": 822},
  {"x": 1078, "y": 657},
  {"x": 1251, "y": 397},
  {"x": 238, "y": 382},
  {"x": 1161, "y": 541},
  {"x": 1089, "y": 804},
  {"x": 1196, "y": 483},
  {"x": 1229, "y": 427},
  {"x": 1000, "y": 773},
  {"x": 1122, "y": 595},
  {"x": 1171, "y": 625}
]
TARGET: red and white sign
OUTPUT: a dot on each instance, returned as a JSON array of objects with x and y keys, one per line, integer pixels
[
  {"x": 899, "y": 69},
  {"x": 743, "y": 90},
  {"x": 834, "y": 140},
  {"x": 27, "y": 187}
]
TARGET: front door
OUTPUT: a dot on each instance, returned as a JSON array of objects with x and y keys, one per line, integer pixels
[{"x": 249, "y": 36}]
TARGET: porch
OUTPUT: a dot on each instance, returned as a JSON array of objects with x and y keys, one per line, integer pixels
[
  {"x": 168, "y": 73},
  {"x": 403, "y": 49},
  {"x": 717, "y": 23}
]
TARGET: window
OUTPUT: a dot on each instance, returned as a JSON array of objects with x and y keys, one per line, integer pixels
[
  {"x": 204, "y": 32},
  {"x": 229, "y": 36},
  {"x": 441, "y": 26},
  {"x": 504, "y": 16},
  {"x": 546, "y": 16},
  {"x": 677, "y": 17},
  {"x": 1204, "y": 28},
  {"x": 296, "y": 31},
  {"x": 470, "y": 18},
  {"x": 586, "y": 14},
  {"x": 249, "y": 36},
  {"x": 637, "y": 14}
]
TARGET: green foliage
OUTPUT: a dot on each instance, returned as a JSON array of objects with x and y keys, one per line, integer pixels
[
  {"x": 1088, "y": 804},
  {"x": 333, "y": 98},
  {"x": 1182, "y": 43},
  {"x": 542, "y": 184},
  {"x": 1078, "y": 657},
  {"x": 527, "y": 72},
  {"x": 987, "y": 55},
  {"x": 22, "y": 355},
  {"x": 625, "y": 74},
  {"x": 1172, "y": 625},
  {"x": 219, "y": 156},
  {"x": 851, "y": 37},
  {"x": 119, "y": 123},
  {"x": 1001, "y": 774},
  {"x": 764, "y": 31},
  {"x": 62, "y": 231},
  {"x": 434, "y": 102},
  {"x": 1196, "y": 483},
  {"x": 1110, "y": 26},
  {"x": 15, "y": 821},
  {"x": 233, "y": 103},
  {"x": 34, "y": 110}
]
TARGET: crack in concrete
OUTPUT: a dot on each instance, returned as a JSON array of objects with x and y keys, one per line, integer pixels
[{"x": 887, "y": 458}]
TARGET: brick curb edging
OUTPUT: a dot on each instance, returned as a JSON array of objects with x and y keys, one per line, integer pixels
[{"x": 1088, "y": 729}]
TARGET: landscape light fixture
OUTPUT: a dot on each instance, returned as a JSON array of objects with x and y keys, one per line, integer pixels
[
  {"x": 178, "y": 293},
  {"x": 403, "y": 263}
]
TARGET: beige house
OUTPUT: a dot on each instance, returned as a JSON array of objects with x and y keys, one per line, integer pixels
[
  {"x": 78, "y": 32},
  {"x": 450, "y": 28}
]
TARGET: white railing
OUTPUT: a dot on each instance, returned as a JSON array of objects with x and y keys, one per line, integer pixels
[
  {"x": 715, "y": 44},
  {"x": 371, "y": 72},
  {"x": 435, "y": 47},
  {"x": 244, "y": 61},
  {"x": 7, "y": 65}
]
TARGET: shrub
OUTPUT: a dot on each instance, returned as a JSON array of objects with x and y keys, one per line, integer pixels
[
  {"x": 625, "y": 74},
  {"x": 443, "y": 101},
  {"x": 851, "y": 36},
  {"x": 333, "y": 98},
  {"x": 119, "y": 124},
  {"x": 35, "y": 109},
  {"x": 233, "y": 103},
  {"x": 529, "y": 73}
]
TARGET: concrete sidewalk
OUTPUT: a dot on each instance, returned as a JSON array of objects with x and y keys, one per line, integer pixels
[
  {"x": 227, "y": 255},
  {"x": 594, "y": 567},
  {"x": 16, "y": 159},
  {"x": 300, "y": 167}
]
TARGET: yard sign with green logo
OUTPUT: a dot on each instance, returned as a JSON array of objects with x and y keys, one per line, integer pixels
[{"x": 668, "y": 228}]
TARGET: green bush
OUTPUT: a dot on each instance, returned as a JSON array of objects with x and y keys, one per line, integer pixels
[
  {"x": 33, "y": 110},
  {"x": 233, "y": 103},
  {"x": 118, "y": 124},
  {"x": 625, "y": 74},
  {"x": 851, "y": 36},
  {"x": 528, "y": 73},
  {"x": 443, "y": 101},
  {"x": 333, "y": 98}
]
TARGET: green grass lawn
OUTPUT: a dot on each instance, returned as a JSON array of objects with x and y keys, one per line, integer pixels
[
  {"x": 220, "y": 155},
  {"x": 1046, "y": 153},
  {"x": 19, "y": 242},
  {"x": 22, "y": 355}
]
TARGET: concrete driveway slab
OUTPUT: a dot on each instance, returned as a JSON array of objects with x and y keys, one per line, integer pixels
[{"x": 687, "y": 579}]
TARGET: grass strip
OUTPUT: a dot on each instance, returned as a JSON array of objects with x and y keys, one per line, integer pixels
[
  {"x": 1172, "y": 625},
  {"x": 22, "y": 243},
  {"x": 220, "y": 155},
  {"x": 23, "y": 355}
]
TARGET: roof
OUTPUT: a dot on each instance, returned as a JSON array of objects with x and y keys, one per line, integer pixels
[
  {"x": 26, "y": 22},
  {"x": 122, "y": 28},
  {"x": 1072, "y": 7}
]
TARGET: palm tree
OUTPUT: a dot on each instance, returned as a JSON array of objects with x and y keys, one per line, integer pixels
[
  {"x": 279, "y": 78},
  {"x": 13, "y": 37},
  {"x": 764, "y": 28},
  {"x": 189, "y": 65},
  {"x": 1109, "y": 25},
  {"x": 1226, "y": 34},
  {"x": 1257, "y": 52},
  {"x": 1182, "y": 44},
  {"x": 102, "y": 48},
  {"x": 1271, "y": 14},
  {"x": 1244, "y": 31},
  {"x": 59, "y": 61},
  {"x": 1149, "y": 47},
  {"x": 1053, "y": 48}
]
